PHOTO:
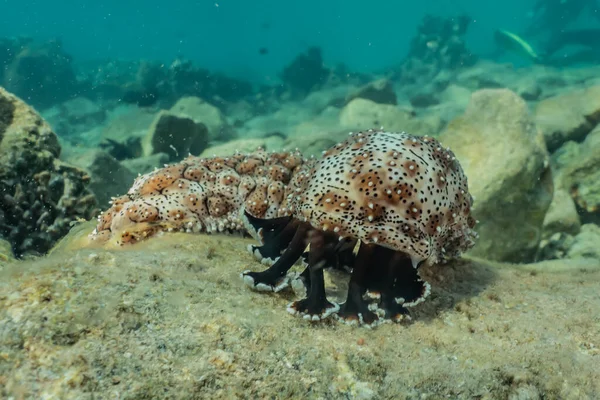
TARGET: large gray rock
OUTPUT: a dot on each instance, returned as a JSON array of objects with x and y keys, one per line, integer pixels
[
  {"x": 380, "y": 91},
  {"x": 142, "y": 165},
  {"x": 586, "y": 243},
  {"x": 244, "y": 146},
  {"x": 506, "y": 161},
  {"x": 563, "y": 245},
  {"x": 75, "y": 116},
  {"x": 202, "y": 112},
  {"x": 580, "y": 175},
  {"x": 568, "y": 116},
  {"x": 128, "y": 121},
  {"x": 176, "y": 136},
  {"x": 109, "y": 177},
  {"x": 562, "y": 215},
  {"x": 361, "y": 114}
]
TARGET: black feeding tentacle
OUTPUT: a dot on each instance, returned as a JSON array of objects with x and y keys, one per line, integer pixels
[
  {"x": 356, "y": 310},
  {"x": 316, "y": 306},
  {"x": 274, "y": 279},
  {"x": 275, "y": 235},
  {"x": 408, "y": 289},
  {"x": 339, "y": 255},
  {"x": 395, "y": 284}
]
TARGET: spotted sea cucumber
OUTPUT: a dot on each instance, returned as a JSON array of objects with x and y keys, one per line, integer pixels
[{"x": 378, "y": 204}]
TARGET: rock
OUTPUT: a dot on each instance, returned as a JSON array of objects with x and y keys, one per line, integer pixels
[
  {"x": 586, "y": 242},
  {"x": 176, "y": 136},
  {"x": 456, "y": 94},
  {"x": 562, "y": 215},
  {"x": 109, "y": 177},
  {"x": 172, "y": 313},
  {"x": 332, "y": 96},
  {"x": 563, "y": 245},
  {"x": 380, "y": 91},
  {"x": 529, "y": 90},
  {"x": 244, "y": 146},
  {"x": 555, "y": 247},
  {"x": 128, "y": 121},
  {"x": 315, "y": 135},
  {"x": 306, "y": 72},
  {"x": 21, "y": 126},
  {"x": 127, "y": 149},
  {"x": 424, "y": 99},
  {"x": 361, "y": 114},
  {"x": 75, "y": 116},
  {"x": 40, "y": 196},
  {"x": 141, "y": 165},
  {"x": 6, "y": 254},
  {"x": 311, "y": 144},
  {"x": 323, "y": 124},
  {"x": 566, "y": 155},
  {"x": 453, "y": 101},
  {"x": 580, "y": 175},
  {"x": 41, "y": 73},
  {"x": 202, "y": 112},
  {"x": 282, "y": 120},
  {"x": 569, "y": 116},
  {"x": 505, "y": 159},
  {"x": 485, "y": 75}
]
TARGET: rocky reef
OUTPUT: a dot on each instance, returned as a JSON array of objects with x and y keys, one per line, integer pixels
[
  {"x": 169, "y": 319},
  {"x": 169, "y": 316},
  {"x": 41, "y": 195}
]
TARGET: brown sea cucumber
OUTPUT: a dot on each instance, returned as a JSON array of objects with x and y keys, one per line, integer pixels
[{"x": 378, "y": 204}]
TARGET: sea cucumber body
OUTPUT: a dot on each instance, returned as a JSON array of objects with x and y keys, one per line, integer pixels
[
  {"x": 377, "y": 204},
  {"x": 400, "y": 191},
  {"x": 396, "y": 190},
  {"x": 204, "y": 195}
]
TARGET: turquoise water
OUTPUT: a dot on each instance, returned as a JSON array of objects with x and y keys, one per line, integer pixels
[{"x": 226, "y": 35}]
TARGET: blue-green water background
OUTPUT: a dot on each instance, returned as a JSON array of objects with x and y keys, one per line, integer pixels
[{"x": 225, "y": 35}]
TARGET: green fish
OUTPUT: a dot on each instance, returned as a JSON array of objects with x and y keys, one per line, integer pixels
[{"x": 509, "y": 41}]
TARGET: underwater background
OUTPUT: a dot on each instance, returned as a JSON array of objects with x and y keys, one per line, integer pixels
[
  {"x": 95, "y": 96},
  {"x": 220, "y": 35}
]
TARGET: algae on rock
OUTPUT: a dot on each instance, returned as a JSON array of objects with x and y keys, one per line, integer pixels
[
  {"x": 506, "y": 161},
  {"x": 41, "y": 196}
]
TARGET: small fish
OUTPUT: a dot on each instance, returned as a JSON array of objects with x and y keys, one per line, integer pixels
[
  {"x": 509, "y": 41},
  {"x": 263, "y": 51}
]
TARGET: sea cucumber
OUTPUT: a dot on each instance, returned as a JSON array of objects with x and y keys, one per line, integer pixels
[
  {"x": 203, "y": 195},
  {"x": 378, "y": 204}
]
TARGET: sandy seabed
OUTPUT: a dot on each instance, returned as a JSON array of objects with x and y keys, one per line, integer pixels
[{"x": 171, "y": 319}]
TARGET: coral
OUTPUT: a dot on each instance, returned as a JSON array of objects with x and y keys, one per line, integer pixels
[
  {"x": 41, "y": 196},
  {"x": 439, "y": 45},
  {"x": 400, "y": 199}
]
